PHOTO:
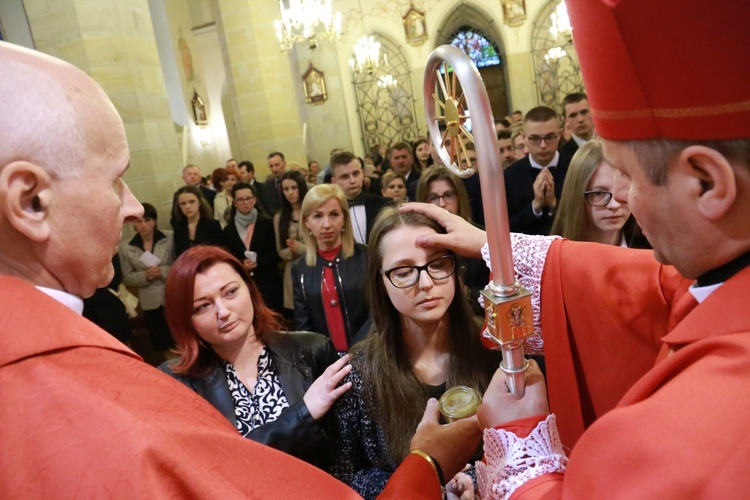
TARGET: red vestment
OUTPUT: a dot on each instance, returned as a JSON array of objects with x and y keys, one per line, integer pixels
[
  {"x": 83, "y": 417},
  {"x": 676, "y": 429}
]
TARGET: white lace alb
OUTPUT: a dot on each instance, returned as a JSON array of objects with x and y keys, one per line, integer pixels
[
  {"x": 510, "y": 461},
  {"x": 529, "y": 254}
]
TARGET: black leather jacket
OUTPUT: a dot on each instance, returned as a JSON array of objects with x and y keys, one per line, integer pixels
[
  {"x": 350, "y": 276},
  {"x": 298, "y": 358}
]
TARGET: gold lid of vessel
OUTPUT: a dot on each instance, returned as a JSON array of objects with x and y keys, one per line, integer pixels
[{"x": 459, "y": 402}]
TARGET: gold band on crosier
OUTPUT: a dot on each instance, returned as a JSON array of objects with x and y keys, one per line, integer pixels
[{"x": 433, "y": 463}]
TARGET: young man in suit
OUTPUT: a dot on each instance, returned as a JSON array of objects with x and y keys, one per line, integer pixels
[
  {"x": 347, "y": 172},
  {"x": 271, "y": 192},
  {"x": 577, "y": 113},
  {"x": 533, "y": 184}
]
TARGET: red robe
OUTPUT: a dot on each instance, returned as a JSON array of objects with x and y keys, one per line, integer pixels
[
  {"x": 677, "y": 429},
  {"x": 83, "y": 417}
]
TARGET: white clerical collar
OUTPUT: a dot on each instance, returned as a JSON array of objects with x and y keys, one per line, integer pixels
[
  {"x": 701, "y": 293},
  {"x": 67, "y": 299},
  {"x": 553, "y": 163}
]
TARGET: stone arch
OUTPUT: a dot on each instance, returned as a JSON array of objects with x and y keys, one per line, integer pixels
[
  {"x": 385, "y": 99},
  {"x": 466, "y": 17}
]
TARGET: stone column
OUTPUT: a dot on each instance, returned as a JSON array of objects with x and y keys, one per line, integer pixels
[
  {"x": 114, "y": 42},
  {"x": 260, "y": 82}
]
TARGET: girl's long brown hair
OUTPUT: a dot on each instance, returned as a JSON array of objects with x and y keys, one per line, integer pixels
[{"x": 398, "y": 397}]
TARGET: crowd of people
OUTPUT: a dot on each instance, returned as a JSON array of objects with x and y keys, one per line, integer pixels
[
  {"x": 299, "y": 308},
  {"x": 646, "y": 352}
]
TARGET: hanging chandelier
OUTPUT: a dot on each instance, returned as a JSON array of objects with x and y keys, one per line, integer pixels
[
  {"x": 367, "y": 56},
  {"x": 301, "y": 21},
  {"x": 387, "y": 81},
  {"x": 554, "y": 54},
  {"x": 561, "y": 23}
]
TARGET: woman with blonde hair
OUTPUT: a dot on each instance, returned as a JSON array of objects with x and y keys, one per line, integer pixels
[
  {"x": 329, "y": 282},
  {"x": 588, "y": 211}
]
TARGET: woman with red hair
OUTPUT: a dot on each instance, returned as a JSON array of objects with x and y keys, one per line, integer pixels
[{"x": 274, "y": 387}]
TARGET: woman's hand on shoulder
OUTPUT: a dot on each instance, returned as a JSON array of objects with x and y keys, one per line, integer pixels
[{"x": 326, "y": 390}]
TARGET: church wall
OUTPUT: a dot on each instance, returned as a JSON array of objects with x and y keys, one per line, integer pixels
[
  {"x": 253, "y": 91},
  {"x": 114, "y": 43}
]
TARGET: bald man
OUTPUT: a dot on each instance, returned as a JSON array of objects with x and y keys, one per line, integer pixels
[{"x": 81, "y": 416}]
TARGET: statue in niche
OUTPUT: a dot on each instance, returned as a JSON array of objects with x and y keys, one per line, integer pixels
[
  {"x": 415, "y": 27},
  {"x": 187, "y": 59},
  {"x": 314, "y": 85},
  {"x": 514, "y": 12}
]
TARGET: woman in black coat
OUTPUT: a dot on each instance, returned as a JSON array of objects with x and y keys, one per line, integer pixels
[
  {"x": 251, "y": 238},
  {"x": 275, "y": 388},
  {"x": 193, "y": 223},
  {"x": 329, "y": 281}
]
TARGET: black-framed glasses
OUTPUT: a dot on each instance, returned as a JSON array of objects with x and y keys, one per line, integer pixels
[
  {"x": 448, "y": 196},
  {"x": 598, "y": 198},
  {"x": 407, "y": 276},
  {"x": 245, "y": 200},
  {"x": 536, "y": 140}
]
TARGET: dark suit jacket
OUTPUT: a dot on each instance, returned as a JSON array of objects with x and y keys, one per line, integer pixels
[
  {"x": 266, "y": 276},
  {"x": 569, "y": 148},
  {"x": 411, "y": 184},
  {"x": 270, "y": 196},
  {"x": 208, "y": 232},
  {"x": 372, "y": 205},
  {"x": 474, "y": 192},
  {"x": 519, "y": 188}
]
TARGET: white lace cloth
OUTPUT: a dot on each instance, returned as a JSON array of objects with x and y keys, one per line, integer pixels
[
  {"x": 510, "y": 461},
  {"x": 529, "y": 254}
]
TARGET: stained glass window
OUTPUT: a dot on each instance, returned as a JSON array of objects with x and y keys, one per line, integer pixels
[{"x": 476, "y": 46}]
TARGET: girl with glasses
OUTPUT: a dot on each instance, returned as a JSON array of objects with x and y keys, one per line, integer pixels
[
  {"x": 250, "y": 237},
  {"x": 440, "y": 187},
  {"x": 588, "y": 209},
  {"x": 424, "y": 340}
]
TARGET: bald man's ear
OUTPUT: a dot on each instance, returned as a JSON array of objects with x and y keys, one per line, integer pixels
[
  {"x": 713, "y": 180},
  {"x": 25, "y": 199}
]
